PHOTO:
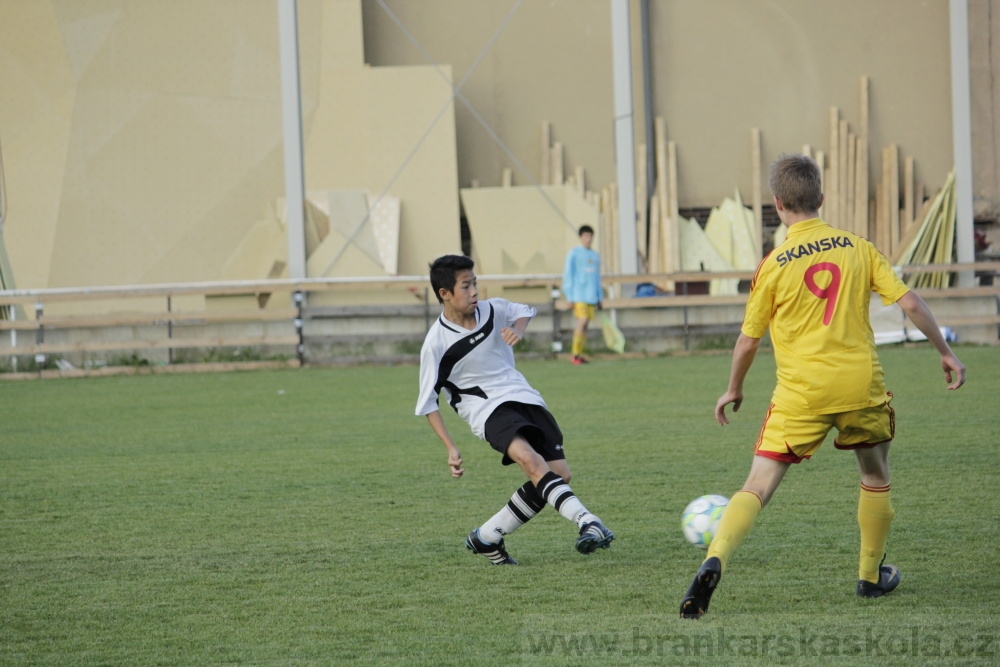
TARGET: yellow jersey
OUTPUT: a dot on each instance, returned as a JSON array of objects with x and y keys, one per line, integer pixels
[{"x": 814, "y": 292}]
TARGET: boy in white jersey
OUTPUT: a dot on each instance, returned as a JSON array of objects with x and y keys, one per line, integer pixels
[{"x": 468, "y": 354}]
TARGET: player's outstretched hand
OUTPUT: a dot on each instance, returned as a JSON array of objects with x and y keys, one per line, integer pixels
[
  {"x": 950, "y": 364},
  {"x": 455, "y": 463},
  {"x": 510, "y": 336},
  {"x": 720, "y": 408}
]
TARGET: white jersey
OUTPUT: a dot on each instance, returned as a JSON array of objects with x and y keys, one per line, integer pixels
[{"x": 474, "y": 369}]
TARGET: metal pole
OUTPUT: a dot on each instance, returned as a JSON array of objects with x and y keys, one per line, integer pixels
[
  {"x": 300, "y": 348},
  {"x": 687, "y": 329},
  {"x": 650, "y": 112},
  {"x": 556, "y": 337},
  {"x": 170, "y": 331},
  {"x": 13, "y": 339},
  {"x": 39, "y": 336},
  {"x": 291, "y": 108},
  {"x": 427, "y": 310},
  {"x": 624, "y": 134},
  {"x": 961, "y": 114}
]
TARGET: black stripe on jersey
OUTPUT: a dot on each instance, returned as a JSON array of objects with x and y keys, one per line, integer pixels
[{"x": 456, "y": 353}]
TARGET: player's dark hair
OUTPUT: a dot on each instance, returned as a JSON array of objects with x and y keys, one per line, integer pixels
[
  {"x": 795, "y": 182},
  {"x": 584, "y": 229},
  {"x": 444, "y": 270}
]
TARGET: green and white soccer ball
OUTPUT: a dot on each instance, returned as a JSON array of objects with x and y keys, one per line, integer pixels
[{"x": 701, "y": 519}]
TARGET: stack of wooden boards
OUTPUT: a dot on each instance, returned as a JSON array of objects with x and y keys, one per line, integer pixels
[
  {"x": 6, "y": 274},
  {"x": 932, "y": 240},
  {"x": 605, "y": 201},
  {"x": 730, "y": 241},
  {"x": 347, "y": 233},
  {"x": 896, "y": 219}
]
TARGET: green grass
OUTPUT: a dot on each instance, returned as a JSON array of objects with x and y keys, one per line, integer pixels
[{"x": 307, "y": 517}]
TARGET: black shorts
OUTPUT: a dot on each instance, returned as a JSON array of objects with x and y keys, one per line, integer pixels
[{"x": 532, "y": 422}]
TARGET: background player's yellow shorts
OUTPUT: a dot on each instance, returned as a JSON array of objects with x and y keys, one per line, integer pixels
[
  {"x": 583, "y": 310},
  {"x": 791, "y": 437}
]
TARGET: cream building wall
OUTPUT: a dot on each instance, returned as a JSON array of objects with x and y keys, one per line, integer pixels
[
  {"x": 720, "y": 68},
  {"x": 142, "y": 138},
  {"x": 143, "y": 141}
]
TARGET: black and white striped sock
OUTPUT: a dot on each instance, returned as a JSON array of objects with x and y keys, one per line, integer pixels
[
  {"x": 522, "y": 506},
  {"x": 557, "y": 493}
]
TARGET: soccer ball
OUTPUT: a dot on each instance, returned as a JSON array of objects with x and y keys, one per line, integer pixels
[{"x": 701, "y": 519}]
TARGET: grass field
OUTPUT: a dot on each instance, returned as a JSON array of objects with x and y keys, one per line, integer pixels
[{"x": 307, "y": 517}]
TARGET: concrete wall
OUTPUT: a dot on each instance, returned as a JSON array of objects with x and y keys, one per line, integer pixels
[
  {"x": 984, "y": 73},
  {"x": 142, "y": 139},
  {"x": 720, "y": 68}
]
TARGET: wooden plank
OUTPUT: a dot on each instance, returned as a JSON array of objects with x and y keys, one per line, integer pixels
[
  {"x": 756, "y": 197},
  {"x": 873, "y": 209},
  {"x": 883, "y": 214},
  {"x": 842, "y": 183},
  {"x": 968, "y": 321},
  {"x": 852, "y": 148},
  {"x": 612, "y": 213},
  {"x": 660, "y": 132},
  {"x": 677, "y": 301},
  {"x": 546, "y": 149},
  {"x": 606, "y": 239},
  {"x": 157, "y": 344},
  {"x": 833, "y": 182},
  {"x": 673, "y": 244},
  {"x": 642, "y": 206},
  {"x": 507, "y": 179},
  {"x": 908, "y": 191},
  {"x": 581, "y": 185},
  {"x": 557, "y": 163},
  {"x": 893, "y": 198},
  {"x": 170, "y": 369},
  {"x": 865, "y": 84},
  {"x": 653, "y": 257},
  {"x": 807, "y": 150},
  {"x": 153, "y": 319},
  {"x": 861, "y": 188},
  {"x": 907, "y": 238},
  {"x": 821, "y": 163},
  {"x": 683, "y": 276}
]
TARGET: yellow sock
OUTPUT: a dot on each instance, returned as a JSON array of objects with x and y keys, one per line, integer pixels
[
  {"x": 578, "y": 342},
  {"x": 875, "y": 515},
  {"x": 736, "y": 522}
]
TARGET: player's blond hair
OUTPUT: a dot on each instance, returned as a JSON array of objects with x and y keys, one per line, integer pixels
[{"x": 795, "y": 182}]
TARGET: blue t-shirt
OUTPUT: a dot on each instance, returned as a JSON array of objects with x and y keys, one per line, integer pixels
[{"x": 582, "y": 277}]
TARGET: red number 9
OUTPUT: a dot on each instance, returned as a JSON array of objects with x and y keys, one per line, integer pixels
[{"x": 829, "y": 292}]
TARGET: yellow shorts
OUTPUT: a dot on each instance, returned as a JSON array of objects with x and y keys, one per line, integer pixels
[
  {"x": 792, "y": 437},
  {"x": 584, "y": 311}
]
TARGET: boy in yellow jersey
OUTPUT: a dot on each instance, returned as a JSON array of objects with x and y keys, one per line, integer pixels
[{"x": 813, "y": 291}]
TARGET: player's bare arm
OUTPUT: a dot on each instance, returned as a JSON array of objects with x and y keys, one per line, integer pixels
[
  {"x": 454, "y": 456},
  {"x": 512, "y": 335},
  {"x": 920, "y": 314},
  {"x": 743, "y": 356}
]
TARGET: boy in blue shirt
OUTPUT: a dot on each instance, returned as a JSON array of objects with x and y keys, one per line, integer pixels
[{"x": 581, "y": 286}]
